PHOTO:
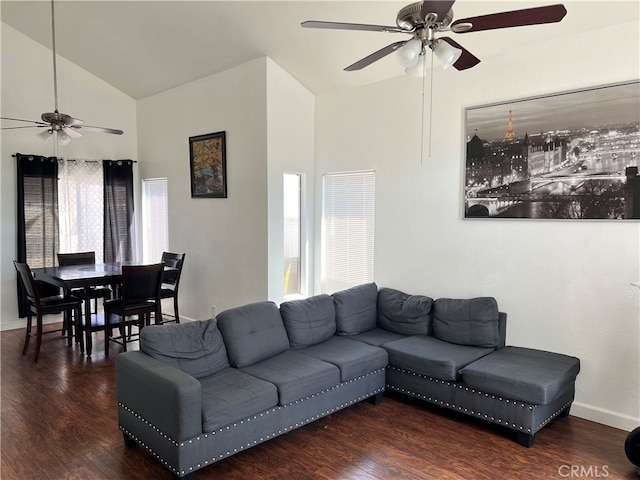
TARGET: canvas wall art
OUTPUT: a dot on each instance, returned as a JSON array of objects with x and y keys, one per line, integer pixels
[
  {"x": 208, "y": 165},
  {"x": 569, "y": 155}
]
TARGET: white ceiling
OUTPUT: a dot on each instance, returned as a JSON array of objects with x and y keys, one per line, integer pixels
[{"x": 145, "y": 47}]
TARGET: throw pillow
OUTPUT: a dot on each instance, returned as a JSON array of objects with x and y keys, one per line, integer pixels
[
  {"x": 252, "y": 333},
  {"x": 406, "y": 314},
  {"x": 309, "y": 321},
  {"x": 195, "y": 348},
  {"x": 471, "y": 321},
  {"x": 356, "y": 309}
]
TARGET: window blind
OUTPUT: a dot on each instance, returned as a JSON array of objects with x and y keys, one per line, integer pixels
[
  {"x": 155, "y": 219},
  {"x": 347, "y": 238}
]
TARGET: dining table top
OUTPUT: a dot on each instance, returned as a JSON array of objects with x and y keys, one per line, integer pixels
[{"x": 70, "y": 276}]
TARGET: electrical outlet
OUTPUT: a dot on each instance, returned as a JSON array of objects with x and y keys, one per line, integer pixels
[{"x": 213, "y": 310}]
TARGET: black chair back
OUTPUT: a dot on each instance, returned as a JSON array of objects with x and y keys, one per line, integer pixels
[
  {"x": 141, "y": 283},
  {"x": 173, "y": 260},
  {"x": 28, "y": 282},
  {"x": 80, "y": 258}
]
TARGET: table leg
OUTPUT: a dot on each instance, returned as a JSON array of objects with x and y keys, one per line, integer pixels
[{"x": 87, "y": 320}]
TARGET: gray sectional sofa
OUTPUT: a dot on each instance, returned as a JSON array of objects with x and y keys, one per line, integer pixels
[{"x": 198, "y": 392}]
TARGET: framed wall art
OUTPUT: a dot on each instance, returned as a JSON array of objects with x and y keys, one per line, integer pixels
[
  {"x": 569, "y": 155},
  {"x": 208, "y": 165}
]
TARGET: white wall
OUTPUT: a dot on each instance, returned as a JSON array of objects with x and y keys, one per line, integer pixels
[
  {"x": 290, "y": 116},
  {"x": 225, "y": 239},
  {"x": 233, "y": 246},
  {"x": 564, "y": 284},
  {"x": 27, "y": 92}
]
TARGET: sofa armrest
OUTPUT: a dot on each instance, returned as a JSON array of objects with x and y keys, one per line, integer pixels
[
  {"x": 502, "y": 329},
  {"x": 167, "y": 398}
]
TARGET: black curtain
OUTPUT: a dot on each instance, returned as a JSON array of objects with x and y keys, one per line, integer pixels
[
  {"x": 118, "y": 211},
  {"x": 37, "y": 188}
]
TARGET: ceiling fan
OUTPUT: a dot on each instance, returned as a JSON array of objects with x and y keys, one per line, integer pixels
[
  {"x": 423, "y": 20},
  {"x": 65, "y": 126}
]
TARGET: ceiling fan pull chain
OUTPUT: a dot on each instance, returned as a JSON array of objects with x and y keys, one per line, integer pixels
[
  {"x": 424, "y": 66},
  {"x": 430, "y": 103}
]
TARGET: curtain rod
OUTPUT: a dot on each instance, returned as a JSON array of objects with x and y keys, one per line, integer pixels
[{"x": 76, "y": 159}]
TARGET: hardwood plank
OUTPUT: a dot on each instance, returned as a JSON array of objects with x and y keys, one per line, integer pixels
[{"x": 59, "y": 421}]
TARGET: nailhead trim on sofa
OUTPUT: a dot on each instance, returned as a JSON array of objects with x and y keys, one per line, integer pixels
[
  {"x": 232, "y": 451},
  {"x": 484, "y": 416}
]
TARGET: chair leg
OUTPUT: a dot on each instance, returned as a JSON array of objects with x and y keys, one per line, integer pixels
[
  {"x": 175, "y": 308},
  {"x": 28, "y": 334},
  {"x": 69, "y": 320},
  {"x": 38, "y": 336},
  {"x": 79, "y": 338},
  {"x": 107, "y": 332},
  {"x": 124, "y": 338}
]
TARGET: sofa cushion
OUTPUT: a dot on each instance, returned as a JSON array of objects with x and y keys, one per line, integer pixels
[
  {"x": 232, "y": 395},
  {"x": 356, "y": 309},
  {"x": 353, "y": 358},
  {"x": 524, "y": 374},
  {"x": 432, "y": 357},
  {"x": 195, "y": 348},
  {"x": 252, "y": 333},
  {"x": 471, "y": 321},
  {"x": 296, "y": 375},
  {"x": 377, "y": 336},
  {"x": 309, "y": 321},
  {"x": 406, "y": 314}
]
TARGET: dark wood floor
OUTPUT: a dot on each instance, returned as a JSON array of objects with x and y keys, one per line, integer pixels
[{"x": 59, "y": 422}]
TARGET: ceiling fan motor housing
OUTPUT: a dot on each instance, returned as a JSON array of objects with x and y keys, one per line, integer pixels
[{"x": 409, "y": 18}]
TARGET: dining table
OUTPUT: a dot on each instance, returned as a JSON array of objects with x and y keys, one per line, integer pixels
[{"x": 86, "y": 276}]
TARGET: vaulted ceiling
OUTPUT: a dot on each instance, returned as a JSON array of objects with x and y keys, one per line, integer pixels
[{"x": 145, "y": 47}]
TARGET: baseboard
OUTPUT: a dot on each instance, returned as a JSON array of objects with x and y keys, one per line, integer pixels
[
  {"x": 16, "y": 324},
  {"x": 22, "y": 322},
  {"x": 604, "y": 416}
]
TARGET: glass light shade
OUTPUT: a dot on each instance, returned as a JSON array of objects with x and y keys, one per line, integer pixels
[
  {"x": 446, "y": 53},
  {"x": 408, "y": 54},
  {"x": 418, "y": 69},
  {"x": 45, "y": 135},
  {"x": 63, "y": 138}
]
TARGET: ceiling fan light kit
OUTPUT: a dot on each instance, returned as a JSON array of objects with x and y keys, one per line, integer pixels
[
  {"x": 423, "y": 20},
  {"x": 64, "y": 126},
  {"x": 408, "y": 54},
  {"x": 447, "y": 54}
]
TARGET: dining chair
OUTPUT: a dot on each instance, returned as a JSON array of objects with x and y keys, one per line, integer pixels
[
  {"x": 139, "y": 297},
  {"x": 91, "y": 293},
  {"x": 41, "y": 306},
  {"x": 170, "y": 282}
]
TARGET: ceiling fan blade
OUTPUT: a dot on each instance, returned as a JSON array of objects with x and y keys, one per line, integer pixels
[
  {"x": 515, "y": 18},
  {"x": 439, "y": 7},
  {"x": 23, "y": 126},
  {"x": 35, "y": 122},
  {"x": 374, "y": 57},
  {"x": 466, "y": 60},
  {"x": 72, "y": 132},
  {"x": 352, "y": 26},
  {"x": 90, "y": 128}
]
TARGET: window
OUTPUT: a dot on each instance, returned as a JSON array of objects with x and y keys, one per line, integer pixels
[
  {"x": 155, "y": 219},
  {"x": 81, "y": 200},
  {"x": 347, "y": 237},
  {"x": 292, "y": 188}
]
